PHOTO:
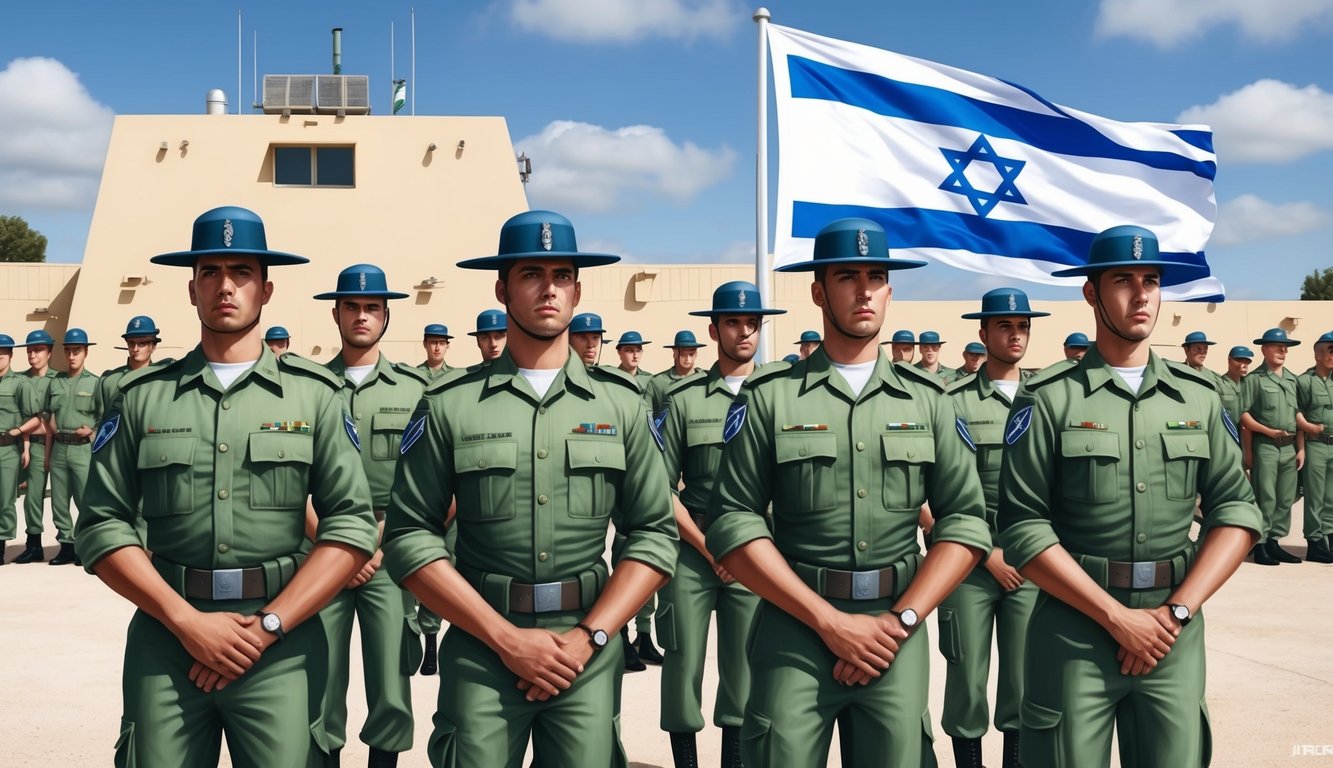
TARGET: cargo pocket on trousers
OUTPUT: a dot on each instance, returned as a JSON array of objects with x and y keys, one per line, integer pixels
[
  {"x": 442, "y": 748},
  {"x": 1041, "y": 730},
  {"x": 950, "y": 646},
  {"x": 756, "y": 740},
  {"x": 666, "y": 625},
  {"x": 125, "y": 745},
  {"x": 1205, "y": 734},
  {"x": 412, "y": 650}
]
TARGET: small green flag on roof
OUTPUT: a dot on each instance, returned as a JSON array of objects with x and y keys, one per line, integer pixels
[{"x": 399, "y": 95}]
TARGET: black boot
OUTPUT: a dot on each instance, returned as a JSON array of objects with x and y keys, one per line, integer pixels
[
  {"x": 1013, "y": 758},
  {"x": 1279, "y": 554},
  {"x": 381, "y": 759},
  {"x": 32, "y": 553},
  {"x": 334, "y": 759},
  {"x": 1260, "y": 555},
  {"x": 429, "y": 658},
  {"x": 731, "y": 747},
  {"x": 3, "y": 544},
  {"x": 967, "y": 753},
  {"x": 65, "y": 556},
  {"x": 648, "y": 653},
  {"x": 632, "y": 661},
  {"x": 684, "y": 750},
  {"x": 1317, "y": 551}
]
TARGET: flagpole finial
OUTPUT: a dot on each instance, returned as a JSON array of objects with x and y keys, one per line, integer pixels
[{"x": 762, "y": 14}]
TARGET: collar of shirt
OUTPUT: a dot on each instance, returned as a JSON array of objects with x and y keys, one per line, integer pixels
[
  {"x": 195, "y": 372},
  {"x": 503, "y": 372},
  {"x": 818, "y": 370},
  {"x": 383, "y": 371},
  {"x": 1156, "y": 375},
  {"x": 716, "y": 382}
]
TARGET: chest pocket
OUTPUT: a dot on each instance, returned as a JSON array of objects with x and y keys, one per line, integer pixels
[
  {"x": 386, "y": 434},
  {"x": 989, "y": 439},
  {"x": 1183, "y": 454},
  {"x": 805, "y": 469},
  {"x": 280, "y": 469},
  {"x": 703, "y": 452},
  {"x": 9, "y": 408},
  {"x": 165, "y": 463},
  {"x": 596, "y": 466},
  {"x": 85, "y": 402},
  {"x": 1089, "y": 465},
  {"x": 484, "y": 476},
  {"x": 907, "y": 459},
  {"x": 1275, "y": 402}
]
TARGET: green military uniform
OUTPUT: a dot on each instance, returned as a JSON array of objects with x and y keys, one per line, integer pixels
[
  {"x": 1271, "y": 400},
  {"x": 72, "y": 403},
  {"x": 1112, "y": 476},
  {"x": 945, "y": 375},
  {"x": 536, "y": 480},
  {"x": 223, "y": 476},
  {"x": 846, "y": 476},
  {"x": 390, "y": 651},
  {"x": 1228, "y": 391},
  {"x": 643, "y": 620},
  {"x": 14, "y": 404},
  {"x": 34, "y": 498},
  {"x": 1314, "y": 398},
  {"x": 433, "y": 374},
  {"x": 656, "y": 387}
]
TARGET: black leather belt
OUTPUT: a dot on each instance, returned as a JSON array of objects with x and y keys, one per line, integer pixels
[
  {"x": 69, "y": 438},
  {"x": 545, "y": 598},
  {"x": 1280, "y": 442},
  {"x": 1322, "y": 437},
  {"x": 227, "y": 584},
  {"x": 1147, "y": 574},
  {"x": 37, "y": 438},
  {"x": 7, "y": 439}
]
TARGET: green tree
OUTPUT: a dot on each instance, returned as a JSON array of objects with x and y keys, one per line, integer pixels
[
  {"x": 19, "y": 242},
  {"x": 1318, "y": 286}
]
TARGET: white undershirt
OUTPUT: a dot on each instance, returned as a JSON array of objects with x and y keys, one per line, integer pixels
[
  {"x": 540, "y": 379},
  {"x": 734, "y": 382},
  {"x": 1132, "y": 376},
  {"x": 228, "y": 373},
  {"x": 1008, "y": 387},
  {"x": 856, "y": 374},
  {"x": 358, "y": 373}
]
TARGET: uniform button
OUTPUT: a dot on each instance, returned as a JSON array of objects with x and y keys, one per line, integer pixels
[
  {"x": 542, "y": 409},
  {"x": 541, "y": 453},
  {"x": 862, "y": 545},
  {"x": 542, "y": 556},
  {"x": 162, "y": 458},
  {"x": 911, "y": 454},
  {"x": 223, "y": 548},
  {"x": 1138, "y": 444},
  {"x": 860, "y": 446},
  {"x": 1190, "y": 448},
  {"x": 1088, "y": 447},
  {"x": 222, "y": 494},
  {"x": 542, "y": 499},
  {"x": 802, "y": 452},
  {"x": 861, "y": 493},
  {"x": 358, "y": 417},
  {"x": 226, "y": 405},
  {"x": 1141, "y": 487},
  {"x": 222, "y": 447},
  {"x": 481, "y": 463},
  {"x": 1142, "y": 537},
  {"x": 598, "y": 459},
  {"x": 282, "y": 454}
]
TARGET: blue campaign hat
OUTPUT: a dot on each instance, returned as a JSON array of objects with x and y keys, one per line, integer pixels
[
  {"x": 141, "y": 325},
  {"x": 851, "y": 241},
  {"x": 1325, "y": 339},
  {"x": 629, "y": 338},
  {"x": 929, "y": 337},
  {"x": 1197, "y": 337},
  {"x": 1004, "y": 302},
  {"x": 792, "y": 358},
  {"x": 538, "y": 235},
  {"x": 77, "y": 336},
  {"x": 903, "y": 337},
  {"x": 974, "y": 348},
  {"x": 436, "y": 329},
  {"x": 362, "y": 280},
  {"x": 587, "y": 322},
  {"x": 277, "y": 333},
  {"x": 490, "y": 321},
  {"x": 809, "y": 337},
  {"x": 1242, "y": 352},
  {"x": 6, "y": 341},
  {"x": 1276, "y": 336},
  {"x": 685, "y": 340},
  {"x": 1123, "y": 246},
  {"x": 228, "y": 230},
  {"x": 1077, "y": 339},
  {"x": 737, "y": 297},
  {"x": 37, "y": 337}
]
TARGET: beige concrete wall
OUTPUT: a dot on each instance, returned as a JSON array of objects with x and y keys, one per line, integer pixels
[{"x": 35, "y": 297}]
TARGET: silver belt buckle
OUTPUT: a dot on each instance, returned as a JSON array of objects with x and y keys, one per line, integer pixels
[
  {"x": 546, "y": 597},
  {"x": 1143, "y": 575},
  {"x": 227, "y": 584},
  {"x": 865, "y": 585}
]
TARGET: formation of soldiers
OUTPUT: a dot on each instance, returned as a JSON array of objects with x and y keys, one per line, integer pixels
[{"x": 253, "y": 505}]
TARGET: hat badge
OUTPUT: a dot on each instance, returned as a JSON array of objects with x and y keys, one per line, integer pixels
[
  {"x": 137, "y": 322},
  {"x": 227, "y": 232},
  {"x": 1138, "y": 246},
  {"x": 588, "y": 321},
  {"x": 1013, "y": 301},
  {"x": 546, "y": 236},
  {"x": 362, "y": 280},
  {"x": 862, "y": 242},
  {"x": 740, "y": 298}
]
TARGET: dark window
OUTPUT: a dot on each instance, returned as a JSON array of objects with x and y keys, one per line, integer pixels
[
  {"x": 335, "y": 167},
  {"x": 314, "y": 166},
  {"x": 291, "y": 165}
]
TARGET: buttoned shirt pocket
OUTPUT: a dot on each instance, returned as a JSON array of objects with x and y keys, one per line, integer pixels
[
  {"x": 805, "y": 470},
  {"x": 85, "y": 402},
  {"x": 386, "y": 434},
  {"x": 9, "y": 408},
  {"x": 907, "y": 459},
  {"x": 280, "y": 469},
  {"x": 1089, "y": 465},
  {"x": 484, "y": 479},
  {"x": 165, "y": 464},
  {"x": 703, "y": 453},
  {"x": 989, "y": 439},
  {"x": 1274, "y": 402},
  {"x": 596, "y": 465},
  {"x": 1183, "y": 453}
]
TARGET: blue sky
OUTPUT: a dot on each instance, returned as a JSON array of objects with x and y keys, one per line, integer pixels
[{"x": 640, "y": 116}]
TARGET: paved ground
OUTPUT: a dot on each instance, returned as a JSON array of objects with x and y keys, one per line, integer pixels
[{"x": 1270, "y": 687}]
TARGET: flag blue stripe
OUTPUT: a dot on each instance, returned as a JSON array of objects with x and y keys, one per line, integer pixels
[
  {"x": 926, "y": 104},
  {"x": 1200, "y": 139}
]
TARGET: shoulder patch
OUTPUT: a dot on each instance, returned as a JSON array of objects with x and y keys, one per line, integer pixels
[
  {"x": 655, "y": 427},
  {"x": 963, "y": 433},
  {"x": 731, "y": 426},
  {"x": 110, "y": 425},
  {"x": 350, "y": 427},
  {"x": 294, "y": 362},
  {"x": 1018, "y": 425},
  {"x": 415, "y": 428},
  {"x": 918, "y": 375},
  {"x": 1231, "y": 426}
]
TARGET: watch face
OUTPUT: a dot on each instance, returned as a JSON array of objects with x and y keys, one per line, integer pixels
[
  {"x": 599, "y": 638},
  {"x": 1180, "y": 612},
  {"x": 271, "y": 622},
  {"x": 908, "y": 618}
]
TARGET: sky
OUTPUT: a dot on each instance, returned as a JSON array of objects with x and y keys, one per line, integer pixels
[{"x": 640, "y": 117}]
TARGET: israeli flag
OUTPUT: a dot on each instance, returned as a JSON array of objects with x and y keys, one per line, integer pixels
[{"x": 976, "y": 172}]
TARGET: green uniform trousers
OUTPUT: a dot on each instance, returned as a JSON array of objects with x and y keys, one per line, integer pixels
[
  {"x": 387, "y": 645},
  {"x": 1274, "y": 478},
  {"x": 69, "y": 475},
  {"x": 1317, "y": 476},
  {"x": 34, "y": 499},
  {"x": 685, "y": 607},
  {"x": 968, "y": 617},
  {"x": 484, "y": 721},
  {"x": 794, "y": 699},
  {"x": 11, "y": 461},
  {"x": 271, "y": 715}
]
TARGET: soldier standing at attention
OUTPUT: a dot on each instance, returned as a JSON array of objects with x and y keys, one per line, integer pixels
[
  {"x": 279, "y": 341},
  {"x": 684, "y": 352},
  {"x": 1103, "y": 463},
  {"x": 903, "y": 346},
  {"x": 630, "y": 350},
  {"x": 380, "y": 395},
  {"x": 223, "y": 447},
  {"x": 435, "y": 338},
  {"x": 1276, "y": 449},
  {"x": 1076, "y": 346},
  {"x": 586, "y": 337},
  {"x": 141, "y": 340},
  {"x": 1314, "y": 397},
  {"x": 71, "y": 402},
  {"x": 39, "y": 344},
  {"x": 15, "y": 423},
  {"x": 490, "y": 334},
  {"x": 540, "y": 451},
  {"x": 846, "y": 446},
  {"x": 807, "y": 343},
  {"x": 1229, "y": 383},
  {"x": 1196, "y": 346},
  {"x": 974, "y": 354},
  {"x": 994, "y": 600},
  {"x": 929, "y": 344}
]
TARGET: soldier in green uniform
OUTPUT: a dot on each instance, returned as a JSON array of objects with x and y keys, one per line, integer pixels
[
  {"x": 141, "y": 339},
  {"x": 1103, "y": 463},
  {"x": 278, "y": 340},
  {"x": 902, "y": 346},
  {"x": 381, "y": 396},
  {"x": 540, "y": 452},
  {"x": 994, "y": 600},
  {"x": 435, "y": 339},
  {"x": 1275, "y": 450},
  {"x": 1076, "y": 346},
  {"x": 847, "y": 447},
  {"x": 71, "y": 402},
  {"x": 586, "y": 337},
  {"x": 692, "y": 446},
  {"x": 807, "y": 343},
  {"x": 1314, "y": 398},
  {"x": 15, "y": 424},
  {"x": 1196, "y": 346},
  {"x": 1229, "y": 383},
  {"x": 974, "y": 354},
  {"x": 39, "y": 345},
  {"x": 220, "y": 451},
  {"x": 929, "y": 344},
  {"x": 684, "y": 352},
  {"x": 490, "y": 333},
  {"x": 629, "y": 347}
]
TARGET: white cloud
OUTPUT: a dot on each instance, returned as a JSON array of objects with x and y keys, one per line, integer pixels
[
  {"x": 579, "y": 167},
  {"x": 1166, "y": 22},
  {"x": 53, "y": 137},
  {"x": 1250, "y": 218},
  {"x": 624, "y": 21},
  {"x": 1267, "y": 121}
]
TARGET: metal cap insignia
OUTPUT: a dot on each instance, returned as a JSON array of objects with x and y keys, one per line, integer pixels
[
  {"x": 1013, "y": 301},
  {"x": 227, "y": 231},
  {"x": 1138, "y": 246},
  {"x": 546, "y": 236},
  {"x": 862, "y": 242}
]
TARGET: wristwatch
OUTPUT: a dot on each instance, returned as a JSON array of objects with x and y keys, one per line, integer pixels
[
  {"x": 1180, "y": 612},
  {"x": 272, "y": 624},
  {"x": 598, "y": 637},
  {"x": 908, "y": 618}
]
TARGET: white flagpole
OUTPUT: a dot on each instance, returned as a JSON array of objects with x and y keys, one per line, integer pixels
[
  {"x": 763, "y": 272},
  {"x": 393, "y": 73},
  {"x": 412, "y": 93},
  {"x": 239, "y": 72}
]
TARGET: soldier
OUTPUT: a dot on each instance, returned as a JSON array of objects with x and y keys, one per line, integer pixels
[
  {"x": 490, "y": 334},
  {"x": 1196, "y": 346},
  {"x": 903, "y": 346},
  {"x": 929, "y": 343},
  {"x": 1275, "y": 448},
  {"x": 630, "y": 349},
  {"x": 1314, "y": 398},
  {"x": 15, "y": 424},
  {"x": 994, "y": 598},
  {"x": 435, "y": 338},
  {"x": 279, "y": 341},
  {"x": 692, "y": 445},
  {"x": 974, "y": 354},
  {"x": 846, "y": 446},
  {"x": 1076, "y": 346},
  {"x": 1228, "y": 385},
  {"x": 141, "y": 339},
  {"x": 807, "y": 343},
  {"x": 39, "y": 344},
  {"x": 684, "y": 352},
  {"x": 223, "y": 447},
  {"x": 1103, "y": 462},
  {"x": 71, "y": 402},
  {"x": 540, "y": 451},
  {"x": 586, "y": 337}
]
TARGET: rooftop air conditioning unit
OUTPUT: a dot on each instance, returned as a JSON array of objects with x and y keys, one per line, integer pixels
[
  {"x": 342, "y": 94},
  {"x": 289, "y": 94}
]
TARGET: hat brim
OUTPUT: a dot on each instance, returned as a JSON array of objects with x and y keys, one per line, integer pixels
[
  {"x": 580, "y": 259},
  {"x": 813, "y": 264},
  {"x": 1241, "y": 357},
  {"x": 1005, "y": 313},
  {"x": 627, "y": 343},
  {"x": 710, "y": 313},
  {"x": 367, "y": 294},
  {"x": 695, "y": 345},
  {"x": 1288, "y": 343},
  {"x": 1083, "y": 270},
  {"x": 156, "y": 339},
  {"x": 1192, "y": 343},
  {"x": 267, "y": 258},
  {"x": 478, "y": 333},
  {"x": 444, "y": 336}
]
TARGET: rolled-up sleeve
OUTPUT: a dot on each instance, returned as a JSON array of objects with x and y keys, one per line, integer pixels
[
  {"x": 736, "y": 509},
  {"x": 111, "y": 498},
  {"x": 423, "y": 487},
  {"x": 339, "y": 490},
  {"x": 1027, "y": 472},
  {"x": 954, "y": 490},
  {"x": 647, "y": 519}
]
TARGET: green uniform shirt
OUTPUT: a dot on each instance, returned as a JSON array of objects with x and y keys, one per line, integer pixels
[
  {"x": 381, "y": 406},
  {"x": 433, "y": 373},
  {"x": 1270, "y": 399},
  {"x": 15, "y": 400},
  {"x": 1314, "y": 396},
  {"x": 73, "y": 401},
  {"x": 1229, "y": 393},
  {"x": 943, "y": 373},
  {"x": 108, "y": 384},
  {"x": 983, "y": 409},
  {"x": 1104, "y": 472},
  {"x": 535, "y": 479},
  {"x": 641, "y": 377},
  {"x": 692, "y": 434},
  {"x": 223, "y": 476},
  {"x": 38, "y": 391},
  {"x": 656, "y": 387},
  {"x": 846, "y": 475}
]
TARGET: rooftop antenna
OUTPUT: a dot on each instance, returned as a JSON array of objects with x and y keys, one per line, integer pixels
[
  {"x": 254, "y": 72},
  {"x": 337, "y": 50},
  {"x": 413, "y": 11},
  {"x": 393, "y": 74},
  {"x": 238, "y": 61}
]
